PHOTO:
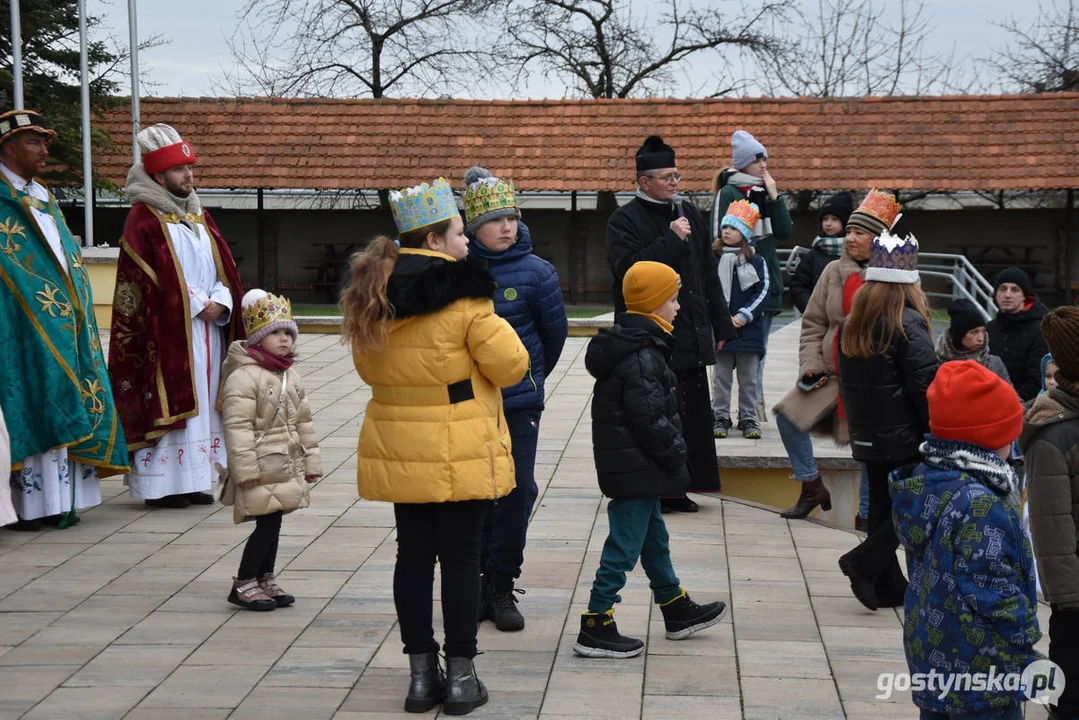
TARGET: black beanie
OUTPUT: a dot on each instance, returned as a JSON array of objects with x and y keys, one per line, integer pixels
[
  {"x": 841, "y": 205},
  {"x": 654, "y": 154},
  {"x": 965, "y": 316},
  {"x": 1013, "y": 275}
]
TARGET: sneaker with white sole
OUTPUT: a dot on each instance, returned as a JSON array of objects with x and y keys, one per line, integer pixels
[
  {"x": 599, "y": 637},
  {"x": 682, "y": 617}
]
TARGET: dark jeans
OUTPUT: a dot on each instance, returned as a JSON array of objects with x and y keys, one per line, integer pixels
[
  {"x": 695, "y": 410},
  {"x": 260, "y": 552},
  {"x": 637, "y": 531},
  {"x": 1064, "y": 651},
  {"x": 875, "y": 557},
  {"x": 506, "y": 524},
  {"x": 450, "y": 532}
]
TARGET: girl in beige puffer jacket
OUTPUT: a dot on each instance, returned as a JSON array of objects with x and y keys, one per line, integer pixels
[{"x": 273, "y": 451}]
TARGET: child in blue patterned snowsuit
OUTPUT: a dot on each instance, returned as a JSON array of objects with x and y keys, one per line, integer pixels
[{"x": 971, "y": 605}]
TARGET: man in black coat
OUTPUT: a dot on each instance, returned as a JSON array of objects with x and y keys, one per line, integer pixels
[
  {"x": 657, "y": 225},
  {"x": 1015, "y": 336}
]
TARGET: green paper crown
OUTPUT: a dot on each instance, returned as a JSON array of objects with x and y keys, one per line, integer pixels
[
  {"x": 482, "y": 198},
  {"x": 417, "y": 207}
]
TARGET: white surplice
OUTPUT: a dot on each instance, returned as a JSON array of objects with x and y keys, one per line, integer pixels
[
  {"x": 183, "y": 460},
  {"x": 48, "y": 484}
]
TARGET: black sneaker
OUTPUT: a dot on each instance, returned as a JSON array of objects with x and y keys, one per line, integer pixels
[
  {"x": 683, "y": 617},
  {"x": 502, "y": 608},
  {"x": 751, "y": 430},
  {"x": 682, "y": 504},
  {"x": 722, "y": 428},
  {"x": 599, "y": 637}
]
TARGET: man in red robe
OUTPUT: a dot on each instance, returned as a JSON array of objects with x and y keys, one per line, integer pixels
[{"x": 176, "y": 309}]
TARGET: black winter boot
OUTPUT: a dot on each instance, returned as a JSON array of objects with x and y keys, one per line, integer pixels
[
  {"x": 813, "y": 494},
  {"x": 599, "y": 637},
  {"x": 502, "y": 608},
  {"x": 682, "y": 617},
  {"x": 861, "y": 585},
  {"x": 427, "y": 683},
  {"x": 464, "y": 690}
]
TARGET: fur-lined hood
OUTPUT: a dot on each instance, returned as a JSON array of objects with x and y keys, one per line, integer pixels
[
  {"x": 424, "y": 282},
  {"x": 1055, "y": 406}
]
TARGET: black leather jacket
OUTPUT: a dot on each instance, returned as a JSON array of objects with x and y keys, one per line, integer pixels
[{"x": 884, "y": 395}]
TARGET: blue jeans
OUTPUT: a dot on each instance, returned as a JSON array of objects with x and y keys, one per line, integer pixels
[
  {"x": 1012, "y": 712},
  {"x": 863, "y": 494},
  {"x": 799, "y": 448},
  {"x": 506, "y": 523},
  {"x": 637, "y": 531}
]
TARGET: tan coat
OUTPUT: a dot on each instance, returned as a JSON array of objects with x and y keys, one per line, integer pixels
[
  {"x": 286, "y": 455},
  {"x": 816, "y": 410}
]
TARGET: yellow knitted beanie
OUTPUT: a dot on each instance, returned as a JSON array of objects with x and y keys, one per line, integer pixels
[{"x": 648, "y": 285}]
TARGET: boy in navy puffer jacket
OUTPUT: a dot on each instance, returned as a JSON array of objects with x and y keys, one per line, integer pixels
[{"x": 530, "y": 299}]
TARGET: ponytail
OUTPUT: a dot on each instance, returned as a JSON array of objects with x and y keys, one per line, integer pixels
[{"x": 365, "y": 308}]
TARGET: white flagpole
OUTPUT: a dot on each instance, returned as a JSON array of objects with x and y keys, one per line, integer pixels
[
  {"x": 87, "y": 160},
  {"x": 16, "y": 54},
  {"x": 133, "y": 27}
]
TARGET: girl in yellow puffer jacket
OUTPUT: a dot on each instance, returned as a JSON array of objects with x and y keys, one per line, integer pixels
[
  {"x": 272, "y": 447},
  {"x": 425, "y": 337}
]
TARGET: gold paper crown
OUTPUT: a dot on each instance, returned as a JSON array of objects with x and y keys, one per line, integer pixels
[
  {"x": 264, "y": 311},
  {"x": 880, "y": 205},
  {"x": 423, "y": 205},
  {"x": 745, "y": 211},
  {"x": 485, "y": 197}
]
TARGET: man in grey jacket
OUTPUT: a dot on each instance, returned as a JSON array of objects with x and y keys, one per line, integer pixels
[{"x": 1050, "y": 445}]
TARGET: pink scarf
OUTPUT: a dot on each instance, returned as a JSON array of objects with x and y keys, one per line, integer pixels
[{"x": 273, "y": 363}]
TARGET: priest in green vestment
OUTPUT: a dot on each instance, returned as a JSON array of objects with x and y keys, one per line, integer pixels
[{"x": 54, "y": 386}]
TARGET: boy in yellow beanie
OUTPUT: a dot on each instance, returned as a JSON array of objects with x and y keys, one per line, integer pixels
[{"x": 640, "y": 456}]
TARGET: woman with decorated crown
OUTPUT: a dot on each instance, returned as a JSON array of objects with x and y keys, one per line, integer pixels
[
  {"x": 886, "y": 363},
  {"x": 424, "y": 335}
]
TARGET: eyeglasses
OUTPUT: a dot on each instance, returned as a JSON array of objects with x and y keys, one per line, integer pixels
[{"x": 672, "y": 177}]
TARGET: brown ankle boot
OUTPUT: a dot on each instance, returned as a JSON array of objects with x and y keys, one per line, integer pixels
[
  {"x": 813, "y": 494},
  {"x": 249, "y": 595},
  {"x": 269, "y": 586}
]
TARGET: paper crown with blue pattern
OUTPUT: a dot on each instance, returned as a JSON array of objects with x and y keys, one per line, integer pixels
[
  {"x": 893, "y": 259},
  {"x": 423, "y": 205}
]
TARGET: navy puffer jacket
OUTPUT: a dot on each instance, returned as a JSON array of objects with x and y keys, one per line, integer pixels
[{"x": 528, "y": 298}]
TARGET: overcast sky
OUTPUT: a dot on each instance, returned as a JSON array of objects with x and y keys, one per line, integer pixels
[{"x": 197, "y": 31}]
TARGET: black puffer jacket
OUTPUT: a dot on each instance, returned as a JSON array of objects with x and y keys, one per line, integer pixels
[
  {"x": 640, "y": 230},
  {"x": 1016, "y": 338},
  {"x": 806, "y": 275},
  {"x": 884, "y": 396},
  {"x": 636, "y": 430}
]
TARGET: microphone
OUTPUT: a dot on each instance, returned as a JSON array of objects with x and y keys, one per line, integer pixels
[{"x": 678, "y": 200}]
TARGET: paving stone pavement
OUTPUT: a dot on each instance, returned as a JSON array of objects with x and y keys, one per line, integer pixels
[{"x": 124, "y": 615}]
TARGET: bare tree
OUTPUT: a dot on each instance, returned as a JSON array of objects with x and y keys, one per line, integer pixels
[
  {"x": 602, "y": 50},
  {"x": 351, "y": 48},
  {"x": 1043, "y": 56},
  {"x": 837, "y": 48}
]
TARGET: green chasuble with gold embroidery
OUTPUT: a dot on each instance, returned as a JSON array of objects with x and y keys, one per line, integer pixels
[{"x": 54, "y": 386}]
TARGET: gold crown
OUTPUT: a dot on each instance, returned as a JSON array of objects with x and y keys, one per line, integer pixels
[
  {"x": 880, "y": 205},
  {"x": 484, "y": 197},
  {"x": 264, "y": 311},
  {"x": 423, "y": 205},
  {"x": 745, "y": 211}
]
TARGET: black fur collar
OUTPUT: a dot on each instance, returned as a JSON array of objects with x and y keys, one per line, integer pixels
[{"x": 423, "y": 284}]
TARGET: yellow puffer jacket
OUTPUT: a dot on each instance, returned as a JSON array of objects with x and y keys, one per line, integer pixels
[
  {"x": 434, "y": 429},
  {"x": 287, "y": 454}
]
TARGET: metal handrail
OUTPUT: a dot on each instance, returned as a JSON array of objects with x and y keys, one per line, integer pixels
[{"x": 964, "y": 279}]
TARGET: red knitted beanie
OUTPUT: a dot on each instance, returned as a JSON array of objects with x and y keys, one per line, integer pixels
[{"x": 969, "y": 403}]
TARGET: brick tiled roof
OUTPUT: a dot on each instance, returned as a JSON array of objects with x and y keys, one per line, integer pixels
[{"x": 1018, "y": 142}]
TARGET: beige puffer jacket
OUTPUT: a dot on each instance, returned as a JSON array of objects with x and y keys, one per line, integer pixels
[{"x": 286, "y": 455}]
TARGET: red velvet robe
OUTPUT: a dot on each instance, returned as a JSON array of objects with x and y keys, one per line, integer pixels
[{"x": 150, "y": 360}]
